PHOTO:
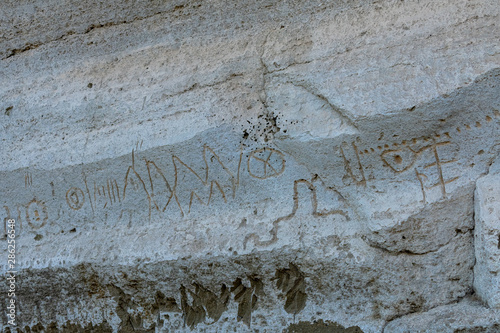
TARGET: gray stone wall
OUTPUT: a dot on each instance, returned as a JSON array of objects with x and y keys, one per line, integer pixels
[{"x": 259, "y": 166}]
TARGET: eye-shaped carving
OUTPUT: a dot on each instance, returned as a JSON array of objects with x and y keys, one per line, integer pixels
[
  {"x": 75, "y": 198},
  {"x": 399, "y": 160},
  {"x": 36, "y": 214}
]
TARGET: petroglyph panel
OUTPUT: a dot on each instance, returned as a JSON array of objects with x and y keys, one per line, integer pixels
[
  {"x": 161, "y": 182},
  {"x": 221, "y": 166},
  {"x": 170, "y": 189}
]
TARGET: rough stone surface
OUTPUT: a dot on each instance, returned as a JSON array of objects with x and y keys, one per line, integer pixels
[
  {"x": 487, "y": 237},
  {"x": 467, "y": 316},
  {"x": 251, "y": 166}
]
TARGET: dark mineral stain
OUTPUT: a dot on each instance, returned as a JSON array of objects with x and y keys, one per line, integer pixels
[
  {"x": 292, "y": 283},
  {"x": 66, "y": 328},
  {"x": 130, "y": 323},
  {"x": 491, "y": 329},
  {"x": 320, "y": 327},
  {"x": 247, "y": 298}
]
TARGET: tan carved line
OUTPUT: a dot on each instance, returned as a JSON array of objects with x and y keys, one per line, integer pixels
[
  {"x": 109, "y": 192},
  {"x": 148, "y": 163},
  {"x": 112, "y": 190},
  {"x": 73, "y": 198},
  {"x": 28, "y": 179},
  {"x": 206, "y": 148},
  {"x": 140, "y": 179},
  {"x": 348, "y": 167},
  {"x": 266, "y": 163},
  {"x": 193, "y": 193},
  {"x": 117, "y": 191},
  {"x": 315, "y": 213},
  {"x": 88, "y": 192},
  {"x": 421, "y": 183}
]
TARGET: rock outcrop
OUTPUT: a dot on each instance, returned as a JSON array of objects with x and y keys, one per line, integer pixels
[{"x": 260, "y": 166}]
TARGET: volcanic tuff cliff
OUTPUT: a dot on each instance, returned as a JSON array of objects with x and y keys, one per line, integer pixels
[{"x": 252, "y": 166}]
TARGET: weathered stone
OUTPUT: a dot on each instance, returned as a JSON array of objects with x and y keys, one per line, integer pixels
[
  {"x": 268, "y": 165},
  {"x": 487, "y": 237},
  {"x": 466, "y": 316},
  {"x": 321, "y": 327}
]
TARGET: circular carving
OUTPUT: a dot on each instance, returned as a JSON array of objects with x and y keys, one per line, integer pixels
[
  {"x": 36, "y": 214},
  {"x": 266, "y": 163},
  {"x": 75, "y": 198}
]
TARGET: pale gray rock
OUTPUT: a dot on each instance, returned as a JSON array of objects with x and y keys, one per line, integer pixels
[
  {"x": 225, "y": 166},
  {"x": 487, "y": 237},
  {"x": 466, "y": 316}
]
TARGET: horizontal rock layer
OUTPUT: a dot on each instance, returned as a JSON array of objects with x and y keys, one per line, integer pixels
[{"x": 278, "y": 165}]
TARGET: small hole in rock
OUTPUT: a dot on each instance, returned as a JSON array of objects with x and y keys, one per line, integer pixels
[{"x": 8, "y": 110}]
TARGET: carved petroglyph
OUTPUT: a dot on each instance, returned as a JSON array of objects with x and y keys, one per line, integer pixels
[
  {"x": 75, "y": 198},
  {"x": 402, "y": 159},
  {"x": 182, "y": 170},
  {"x": 185, "y": 189},
  {"x": 353, "y": 170},
  {"x": 292, "y": 283},
  {"x": 28, "y": 179},
  {"x": 205, "y": 182},
  {"x": 88, "y": 192},
  {"x": 100, "y": 195},
  {"x": 138, "y": 144},
  {"x": 276, "y": 223},
  {"x": 403, "y": 156},
  {"x": 134, "y": 182},
  {"x": 107, "y": 193},
  {"x": 420, "y": 177},
  {"x": 161, "y": 191},
  {"x": 195, "y": 195},
  {"x": 185, "y": 186},
  {"x": 36, "y": 214},
  {"x": 438, "y": 163},
  {"x": 266, "y": 163}
]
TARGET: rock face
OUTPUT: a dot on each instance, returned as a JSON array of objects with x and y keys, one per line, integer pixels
[
  {"x": 487, "y": 237},
  {"x": 257, "y": 166}
]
